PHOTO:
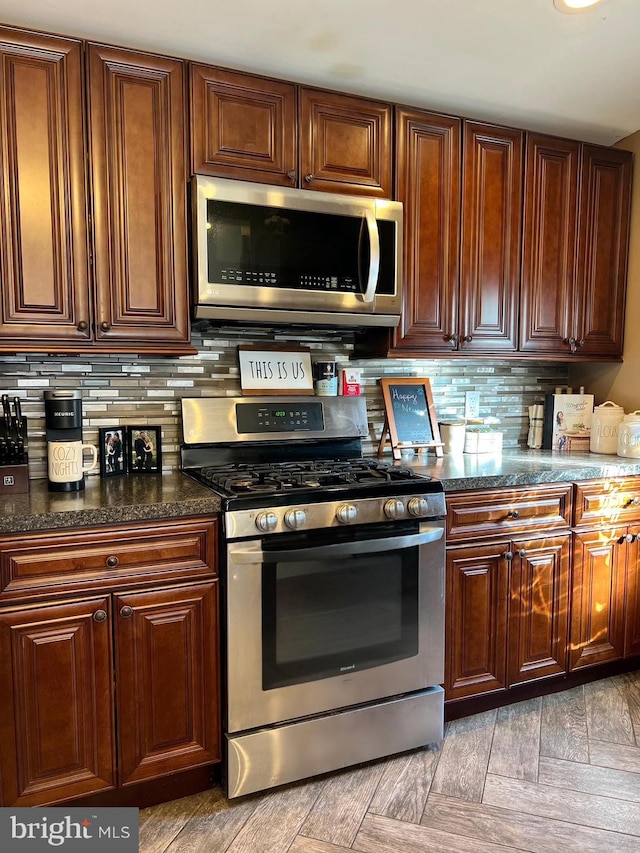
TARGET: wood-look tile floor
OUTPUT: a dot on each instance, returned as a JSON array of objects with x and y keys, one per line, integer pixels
[{"x": 558, "y": 773}]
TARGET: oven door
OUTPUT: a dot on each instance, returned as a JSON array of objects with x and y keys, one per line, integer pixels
[{"x": 314, "y": 627}]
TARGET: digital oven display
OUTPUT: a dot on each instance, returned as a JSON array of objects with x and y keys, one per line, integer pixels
[{"x": 261, "y": 418}]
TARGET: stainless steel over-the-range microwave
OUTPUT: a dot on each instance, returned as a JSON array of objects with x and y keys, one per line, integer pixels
[{"x": 268, "y": 254}]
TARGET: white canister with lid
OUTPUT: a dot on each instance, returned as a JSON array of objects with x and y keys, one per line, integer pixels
[
  {"x": 629, "y": 435},
  {"x": 604, "y": 428}
]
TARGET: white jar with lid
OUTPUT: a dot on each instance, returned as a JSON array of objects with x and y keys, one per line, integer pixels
[
  {"x": 629, "y": 435},
  {"x": 604, "y": 428}
]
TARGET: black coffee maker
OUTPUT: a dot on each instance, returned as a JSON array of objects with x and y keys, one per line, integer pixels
[{"x": 63, "y": 421}]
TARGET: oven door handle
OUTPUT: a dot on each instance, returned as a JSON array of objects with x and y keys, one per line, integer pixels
[{"x": 242, "y": 554}]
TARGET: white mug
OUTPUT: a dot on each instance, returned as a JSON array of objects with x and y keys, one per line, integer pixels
[{"x": 65, "y": 462}]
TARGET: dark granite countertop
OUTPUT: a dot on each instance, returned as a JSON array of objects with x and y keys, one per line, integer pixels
[
  {"x": 141, "y": 497},
  {"x": 519, "y": 468},
  {"x": 115, "y": 500}
]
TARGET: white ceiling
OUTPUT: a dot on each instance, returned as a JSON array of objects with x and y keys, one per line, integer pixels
[{"x": 517, "y": 62}]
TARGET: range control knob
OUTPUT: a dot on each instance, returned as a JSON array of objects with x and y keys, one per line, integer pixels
[
  {"x": 418, "y": 506},
  {"x": 346, "y": 513},
  {"x": 394, "y": 508},
  {"x": 295, "y": 518},
  {"x": 266, "y": 521}
]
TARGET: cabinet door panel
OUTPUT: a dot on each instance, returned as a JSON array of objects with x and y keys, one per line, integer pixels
[
  {"x": 167, "y": 688},
  {"x": 539, "y": 609},
  {"x": 476, "y": 621},
  {"x": 632, "y": 604},
  {"x": 45, "y": 291},
  {"x": 549, "y": 243},
  {"x": 345, "y": 144},
  {"x": 597, "y": 598},
  {"x": 490, "y": 249},
  {"x": 56, "y": 728},
  {"x": 428, "y": 182},
  {"x": 603, "y": 248},
  {"x": 136, "y": 115},
  {"x": 243, "y": 126}
]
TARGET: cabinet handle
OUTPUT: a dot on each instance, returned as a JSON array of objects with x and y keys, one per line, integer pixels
[
  {"x": 126, "y": 612},
  {"x": 105, "y": 326},
  {"x": 292, "y": 175},
  {"x": 82, "y": 326},
  {"x": 508, "y": 555},
  {"x": 452, "y": 339},
  {"x": 467, "y": 339},
  {"x": 112, "y": 562},
  {"x": 522, "y": 553},
  {"x": 308, "y": 178},
  {"x": 513, "y": 513},
  {"x": 99, "y": 615},
  {"x": 635, "y": 501}
]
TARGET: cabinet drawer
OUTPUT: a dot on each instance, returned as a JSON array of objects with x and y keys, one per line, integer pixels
[
  {"x": 607, "y": 502},
  {"x": 507, "y": 511},
  {"x": 97, "y": 559}
]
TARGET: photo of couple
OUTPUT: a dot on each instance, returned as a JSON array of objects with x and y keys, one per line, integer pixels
[
  {"x": 113, "y": 451},
  {"x": 142, "y": 456},
  {"x": 130, "y": 450}
]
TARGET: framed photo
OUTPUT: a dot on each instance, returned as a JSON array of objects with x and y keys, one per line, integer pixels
[
  {"x": 410, "y": 416},
  {"x": 144, "y": 449},
  {"x": 113, "y": 455}
]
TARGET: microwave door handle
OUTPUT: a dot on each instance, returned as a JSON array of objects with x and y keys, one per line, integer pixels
[
  {"x": 346, "y": 549},
  {"x": 374, "y": 256}
]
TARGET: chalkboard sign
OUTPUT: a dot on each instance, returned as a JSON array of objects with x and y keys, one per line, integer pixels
[{"x": 410, "y": 417}]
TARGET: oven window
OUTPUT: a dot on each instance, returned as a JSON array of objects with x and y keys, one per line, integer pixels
[{"x": 327, "y": 618}]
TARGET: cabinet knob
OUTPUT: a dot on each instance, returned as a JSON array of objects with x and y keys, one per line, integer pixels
[
  {"x": 633, "y": 502},
  {"x": 308, "y": 178},
  {"x": 99, "y": 615},
  {"x": 513, "y": 513},
  {"x": 452, "y": 339},
  {"x": 112, "y": 562},
  {"x": 467, "y": 339},
  {"x": 82, "y": 326},
  {"x": 508, "y": 555},
  {"x": 126, "y": 612},
  {"x": 522, "y": 553},
  {"x": 292, "y": 175},
  {"x": 105, "y": 326}
]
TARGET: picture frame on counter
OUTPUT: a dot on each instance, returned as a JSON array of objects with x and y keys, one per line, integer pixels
[
  {"x": 144, "y": 449},
  {"x": 278, "y": 370},
  {"x": 112, "y": 442}
]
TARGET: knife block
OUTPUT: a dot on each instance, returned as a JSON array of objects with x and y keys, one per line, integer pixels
[{"x": 14, "y": 479}]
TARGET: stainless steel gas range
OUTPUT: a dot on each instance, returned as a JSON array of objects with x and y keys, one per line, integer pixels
[{"x": 333, "y": 583}]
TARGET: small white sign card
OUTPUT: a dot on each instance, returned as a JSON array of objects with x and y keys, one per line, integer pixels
[{"x": 285, "y": 370}]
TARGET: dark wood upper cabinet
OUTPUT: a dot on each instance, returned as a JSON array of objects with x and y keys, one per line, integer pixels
[
  {"x": 252, "y": 128},
  {"x": 490, "y": 241},
  {"x": 44, "y": 298},
  {"x": 548, "y": 243},
  {"x": 428, "y": 185},
  {"x": 243, "y": 126},
  {"x": 345, "y": 143},
  {"x": 603, "y": 240},
  {"x": 138, "y": 170}
]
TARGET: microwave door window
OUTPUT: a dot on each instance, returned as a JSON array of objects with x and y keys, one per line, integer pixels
[{"x": 300, "y": 250}]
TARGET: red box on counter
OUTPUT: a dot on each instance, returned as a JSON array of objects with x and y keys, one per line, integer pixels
[{"x": 350, "y": 382}]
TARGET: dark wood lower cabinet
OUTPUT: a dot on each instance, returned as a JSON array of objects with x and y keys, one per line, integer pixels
[
  {"x": 507, "y": 614},
  {"x": 56, "y": 726},
  {"x": 165, "y": 650},
  {"x": 65, "y": 734}
]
